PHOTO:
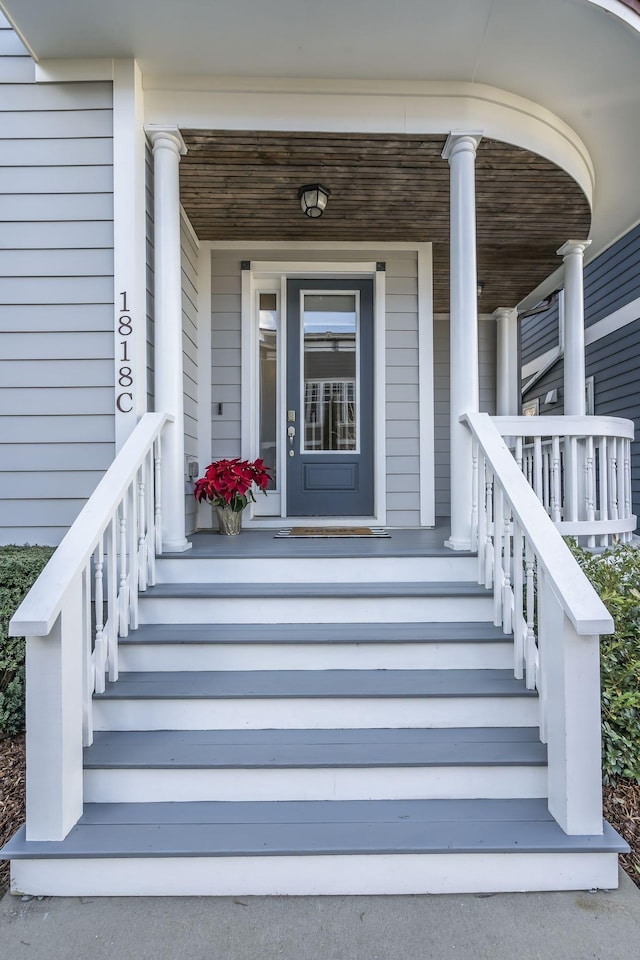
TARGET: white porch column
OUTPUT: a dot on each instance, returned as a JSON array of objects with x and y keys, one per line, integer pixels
[
  {"x": 168, "y": 147},
  {"x": 507, "y": 362},
  {"x": 574, "y": 359},
  {"x": 460, "y": 151}
]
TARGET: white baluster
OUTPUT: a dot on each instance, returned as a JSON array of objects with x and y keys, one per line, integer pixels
[
  {"x": 474, "y": 495},
  {"x": 158, "y": 494},
  {"x": 602, "y": 506},
  {"x": 142, "y": 539},
  {"x": 507, "y": 594},
  {"x": 546, "y": 483},
  {"x": 627, "y": 484},
  {"x": 99, "y": 651},
  {"x": 556, "y": 480},
  {"x": 113, "y": 618},
  {"x": 518, "y": 602},
  {"x": 613, "y": 478},
  {"x": 151, "y": 522},
  {"x": 530, "y": 646},
  {"x": 519, "y": 452},
  {"x": 88, "y": 667},
  {"x": 482, "y": 518},
  {"x": 498, "y": 573},
  {"x": 123, "y": 599},
  {"x": 133, "y": 553},
  {"x": 589, "y": 487},
  {"x": 489, "y": 548}
]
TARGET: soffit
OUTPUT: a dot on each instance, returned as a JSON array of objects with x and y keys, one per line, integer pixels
[{"x": 244, "y": 186}]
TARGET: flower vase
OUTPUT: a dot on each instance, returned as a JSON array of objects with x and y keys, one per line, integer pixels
[{"x": 229, "y": 521}]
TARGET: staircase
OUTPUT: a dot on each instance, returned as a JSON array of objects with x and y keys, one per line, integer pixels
[{"x": 318, "y": 718}]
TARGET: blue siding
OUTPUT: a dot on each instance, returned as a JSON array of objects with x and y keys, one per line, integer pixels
[
  {"x": 539, "y": 333},
  {"x": 613, "y": 278}
]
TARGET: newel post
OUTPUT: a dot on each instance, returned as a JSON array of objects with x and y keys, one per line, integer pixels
[
  {"x": 168, "y": 148},
  {"x": 460, "y": 150},
  {"x": 572, "y": 678},
  {"x": 54, "y": 708}
]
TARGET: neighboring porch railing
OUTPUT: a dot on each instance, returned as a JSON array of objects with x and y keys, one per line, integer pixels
[
  {"x": 541, "y": 594},
  {"x": 580, "y": 469},
  {"x": 84, "y": 600}
]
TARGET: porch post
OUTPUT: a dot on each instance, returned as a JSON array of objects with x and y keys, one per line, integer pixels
[
  {"x": 574, "y": 379},
  {"x": 507, "y": 362},
  {"x": 168, "y": 147},
  {"x": 460, "y": 151}
]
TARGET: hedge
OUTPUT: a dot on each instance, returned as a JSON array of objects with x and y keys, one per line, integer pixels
[
  {"x": 615, "y": 574},
  {"x": 19, "y": 569}
]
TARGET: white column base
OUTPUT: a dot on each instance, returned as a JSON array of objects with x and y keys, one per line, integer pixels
[
  {"x": 455, "y": 544},
  {"x": 176, "y": 546}
]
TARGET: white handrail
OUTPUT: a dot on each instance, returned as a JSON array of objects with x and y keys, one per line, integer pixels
[
  {"x": 37, "y": 612},
  {"x": 541, "y": 595},
  {"x": 84, "y": 600},
  {"x": 581, "y": 603},
  {"x": 565, "y": 426}
]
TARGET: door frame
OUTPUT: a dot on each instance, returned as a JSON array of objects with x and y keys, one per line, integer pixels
[{"x": 280, "y": 271}]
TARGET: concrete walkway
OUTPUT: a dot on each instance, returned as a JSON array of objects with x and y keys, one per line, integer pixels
[{"x": 546, "y": 926}]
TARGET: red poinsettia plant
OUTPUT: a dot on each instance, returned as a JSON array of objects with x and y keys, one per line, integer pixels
[{"x": 228, "y": 483}]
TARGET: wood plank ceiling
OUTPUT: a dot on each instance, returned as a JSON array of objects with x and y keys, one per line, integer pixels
[{"x": 244, "y": 186}]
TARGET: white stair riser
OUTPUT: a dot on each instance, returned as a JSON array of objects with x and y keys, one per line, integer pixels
[
  {"x": 294, "y": 656},
  {"x": 340, "y": 783},
  {"x": 318, "y": 714},
  {"x": 317, "y": 570},
  {"x": 315, "y": 609},
  {"x": 315, "y": 875}
]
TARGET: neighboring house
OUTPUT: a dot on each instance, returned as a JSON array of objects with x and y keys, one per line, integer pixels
[{"x": 410, "y": 712}]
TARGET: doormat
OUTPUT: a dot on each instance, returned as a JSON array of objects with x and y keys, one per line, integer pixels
[{"x": 318, "y": 533}]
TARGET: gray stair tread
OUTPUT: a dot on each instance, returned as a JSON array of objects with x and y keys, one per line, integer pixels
[
  {"x": 474, "y": 632},
  {"x": 270, "y": 684},
  {"x": 332, "y": 590},
  {"x": 313, "y": 827},
  {"x": 224, "y": 749}
]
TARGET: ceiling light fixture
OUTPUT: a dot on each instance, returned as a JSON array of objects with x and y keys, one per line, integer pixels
[{"x": 313, "y": 199}]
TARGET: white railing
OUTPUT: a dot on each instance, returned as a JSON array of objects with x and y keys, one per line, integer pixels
[
  {"x": 84, "y": 600},
  {"x": 580, "y": 469},
  {"x": 542, "y": 596}
]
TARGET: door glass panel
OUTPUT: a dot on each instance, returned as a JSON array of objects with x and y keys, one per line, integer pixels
[
  {"x": 268, "y": 334},
  {"x": 330, "y": 363}
]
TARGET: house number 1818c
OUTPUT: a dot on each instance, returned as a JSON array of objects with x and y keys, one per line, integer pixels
[{"x": 124, "y": 399}]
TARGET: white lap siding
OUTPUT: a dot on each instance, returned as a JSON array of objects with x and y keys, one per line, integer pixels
[{"x": 56, "y": 296}]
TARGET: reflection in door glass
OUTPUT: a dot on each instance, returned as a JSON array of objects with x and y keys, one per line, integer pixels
[
  {"x": 268, "y": 333},
  {"x": 330, "y": 327}
]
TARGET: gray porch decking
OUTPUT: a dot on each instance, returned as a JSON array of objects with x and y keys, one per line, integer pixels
[{"x": 403, "y": 542}]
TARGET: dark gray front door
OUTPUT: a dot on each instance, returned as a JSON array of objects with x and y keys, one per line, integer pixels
[{"x": 329, "y": 398}]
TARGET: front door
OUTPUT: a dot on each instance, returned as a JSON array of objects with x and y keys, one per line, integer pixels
[{"x": 329, "y": 398}]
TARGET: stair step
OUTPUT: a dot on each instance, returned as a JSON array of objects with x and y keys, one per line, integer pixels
[
  {"x": 333, "y": 590},
  {"x": 242, "y": 749},
  {"x": 304, "y": 684},
  {"x": 316, "y": 633},
  {"x": 313, "y": 828},
  {"x": 314, "y": 699},
  {"x": 291, "y": 646}
]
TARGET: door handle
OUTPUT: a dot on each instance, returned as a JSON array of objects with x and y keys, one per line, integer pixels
[{"x": 291, "y": 433}]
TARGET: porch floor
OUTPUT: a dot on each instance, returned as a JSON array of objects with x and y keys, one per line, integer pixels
[{"x": 402, "y": 542}]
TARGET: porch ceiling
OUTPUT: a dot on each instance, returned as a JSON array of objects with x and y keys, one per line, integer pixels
[{"x": 244, "y": 186}]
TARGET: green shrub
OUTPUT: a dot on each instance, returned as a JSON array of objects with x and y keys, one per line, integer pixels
[
  {"x": 615, "y": 574},
  {"x": 19, "y": 569}
]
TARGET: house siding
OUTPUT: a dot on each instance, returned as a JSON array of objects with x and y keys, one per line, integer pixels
[
  {"x": 56, "y": 296},
  {"x": 487, "y": 396},
  {"x": 539, "y": 333}
]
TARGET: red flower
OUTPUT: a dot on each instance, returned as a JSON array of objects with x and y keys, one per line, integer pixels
[{"x": 229, "y": 482}]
